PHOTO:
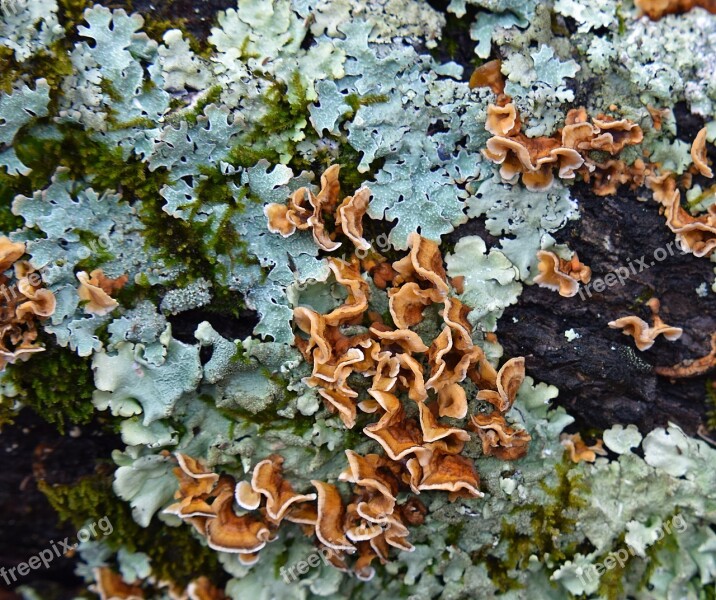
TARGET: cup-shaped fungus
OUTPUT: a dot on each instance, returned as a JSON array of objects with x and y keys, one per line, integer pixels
[
  {"x": 561, "y": 275},
  {"x": 578, "y": 449},
  {"x": 698, "y": 154},
  {"x": 697, "y": 234},
  {"x": 97, "y": 300},
  {"x": 280, "y": 495},
  {"x": 306, "y": 210},
  {"x": 498, "y": 438},
  {"x": 644, "y": 335},
  {"x": 489, "y": 75}
]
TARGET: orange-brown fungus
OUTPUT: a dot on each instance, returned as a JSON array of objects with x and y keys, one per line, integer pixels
[
  {"x": 658, "y": 115},
  {"x": 579, "y": 451},
  {"x": 489, "y": 75},
  {"x": 95, "y": 290},
  {"x": 412, "y": 385},
  {"x": 498, "y": 438},
  {"x": 569, "y": 151},
  {"x": 655, "y": 9},
  {"x": 645, "y": 336},
  {"x": 306, "y": 210},
  {"x": 663, "y": 187},
  {"x": 692, "y": 367},
  {"x": 110, "y": 586},
  {"x": 563, "y": 276},
  {"x": 203, "y": 589},
  {"x": 698, "y": 154},
  {"x": 694, "y": 234},
  {"x": 24, "y": 302}
]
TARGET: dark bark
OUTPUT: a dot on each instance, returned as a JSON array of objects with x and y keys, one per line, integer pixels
[
  {"x": 602, "y": 378},
  {"x": 33, "y": 451}
]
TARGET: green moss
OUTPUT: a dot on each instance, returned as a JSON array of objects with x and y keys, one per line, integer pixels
[
  {"x": 452, "y": 535},
  {"x": 57, "y": 384},
  {"x": 498, "y": 574},
  {"x": 8, "y": 411},
  {"x": 549, "y": 523},
  {"x": 355, "y": 102},
  {"x": 211, "y": 96},
  {"x": 109, "y": 90},
  {"x": 53, "y": 65},
  {"x": 245, "y": 155},
  {"x": 8, "y": 221},
  {"x": 241, "y": 356},
  {"x": 175, "y": 554},
  {"x": 71, "y": 12},
  {"x": 711, "y": 403},
  {"x": 668, "y": 542}
]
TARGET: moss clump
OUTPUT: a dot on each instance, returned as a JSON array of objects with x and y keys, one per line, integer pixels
[
  {"x": 286, "y": 107},
  {"x": 53, "y": 65},
  {"x": 553, "y": 520},
  {"x": 57, "y": 384},
  {"x": 711, "y": 403},
  {"x": 211, "y": 96},
  {"x": 179, "y": 557},
  {"x": 8, "y": 411},
  {"x": 549, "y": 523}
]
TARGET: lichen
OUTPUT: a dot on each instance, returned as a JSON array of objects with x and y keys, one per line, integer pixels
[{"x": 129, "y": 146}]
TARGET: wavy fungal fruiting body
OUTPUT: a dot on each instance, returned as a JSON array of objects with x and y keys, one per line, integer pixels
[
  {"x": 419, "y": 451},
  {"x": 568, "y": 152}
]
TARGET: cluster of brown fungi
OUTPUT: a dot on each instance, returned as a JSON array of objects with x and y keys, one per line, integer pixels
[
  {"x": 25, "y": 302},
  {"x": 109, "y": 585},
  {"x": 411, "y": 386},
  {"x": 591, "y": 148},
  {"x": 584, "y": 146}
]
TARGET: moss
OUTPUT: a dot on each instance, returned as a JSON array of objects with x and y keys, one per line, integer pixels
[
  {"x": 549, "y": 523},
  {"x": 355, "y": 102},
  {"x": 668, "y": 542},
  {"x": 178, "y": 558},
  {"x": 109, "y": 90},
  {"x": 211, "y": 96},
  {"x": 53, "y": 65},
  {"x": 452, "y": 536},
  {"x": 8, "y": 221},
  {"x": 241, "y": 356},
  {"x": 8, "y": 411},
  {"x": 284, "y": 110},
  {"x": 711, "y": 403},
  {"x": 611, "y": 582},
  {"x": 57, "y": 384},
  {"x": 245, "y": 155},
  {"x": 71, "y": 13}
]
